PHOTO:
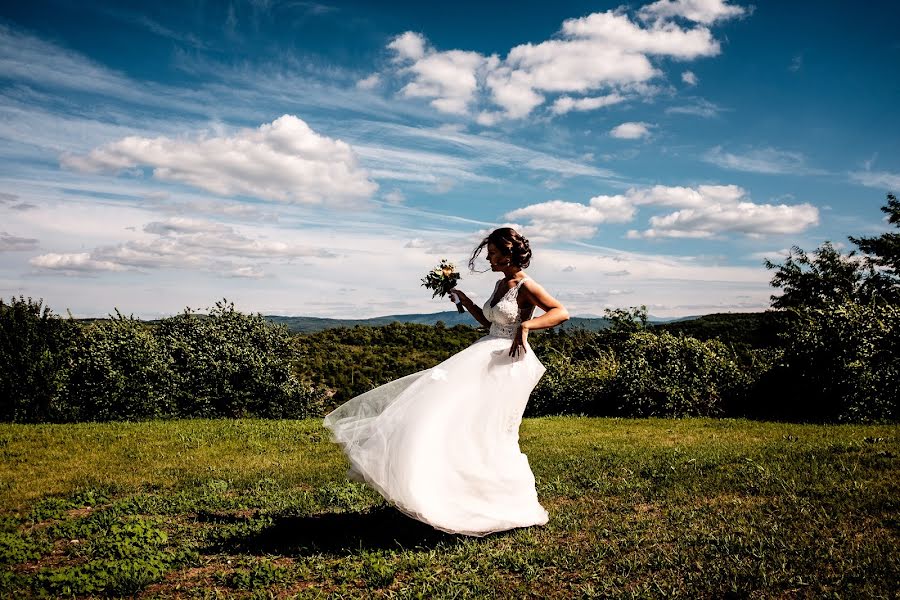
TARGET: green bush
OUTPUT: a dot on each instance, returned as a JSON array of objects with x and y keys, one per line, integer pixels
[
  {"x": 841, "y": 363},
  {"x": 664, "y": 375},
  {"x": 118, "y": 370},
  {"x": 574, "y": 386},
  {"x": 33, "y": 349},
  {"x": 229, "y": 364},
  {"x": 635, "y": 373},
  {"x": 225, "y": 364}
]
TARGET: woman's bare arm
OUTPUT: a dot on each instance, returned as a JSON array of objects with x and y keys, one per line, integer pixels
[
  {"x": 474, "y": 310},
  {"x": 555, "y": 312}
]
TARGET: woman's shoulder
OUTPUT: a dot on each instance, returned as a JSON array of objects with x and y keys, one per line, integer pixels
[{"x": 530, "y": 284}]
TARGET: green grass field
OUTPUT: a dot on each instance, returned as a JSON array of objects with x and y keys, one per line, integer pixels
[{"x": 638, "y": 508}]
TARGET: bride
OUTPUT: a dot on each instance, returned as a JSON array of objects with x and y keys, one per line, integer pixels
[{"x": 442, "y": 445}]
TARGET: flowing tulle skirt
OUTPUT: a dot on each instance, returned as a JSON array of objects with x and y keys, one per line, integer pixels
[{"x": 442, "y": 445}]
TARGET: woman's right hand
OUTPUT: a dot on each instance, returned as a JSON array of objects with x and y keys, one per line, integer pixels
[{"x": 461, "y": 295}]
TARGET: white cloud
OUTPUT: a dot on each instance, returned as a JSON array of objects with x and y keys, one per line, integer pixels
[
  {"x": 631, "y": 131},
  {"x": 552, "y": 184},
  {"x": 397, "y": 163},
  {"x": 185, "y": 204},
  {"x": 408, "y": 46},
  {"x": 284, "y": 160},
  {"x": 513, "y": 91},
  {"x": 544, "y": 162},
  {"x": 178, "y": 243},
  {"x": 689, "y": 78},
  {"x": 249, "y": 272},
  {"x": 709, "y": 211},
  {"x": 699, "y": 11},
  {"x": 223, "y": 240},
  {"x": 565, "y": 104},
  {"x": 765, "y": 160},
  {"x": 601, "y": 51},
  {"x": 686, "y": 197},
  {"x": 706, "y": 211},
  {"x": 698, "y": 108},
  {"x": 558, "y": 219},
  {"x": 613, "y": 30},
  {"x": 772, "y": 255},
  {"x": 394, "y": 197},
  {"x": 75, "y": 262},
  {"x": 176, "y": 225},
  {"x": 370, "y": 82},
  {"x": 448, "y": 78},
  {"x": 877, "y": 179},
  {"x": 601, "y": 209},
  {"x": 551, "y": 231}
]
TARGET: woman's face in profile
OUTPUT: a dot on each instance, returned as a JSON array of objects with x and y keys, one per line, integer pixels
[{"x": 494, "y": 257}]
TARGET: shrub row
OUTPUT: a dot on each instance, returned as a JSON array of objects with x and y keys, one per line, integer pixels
[
  {"x": 224, "y": 364},
  {"x": 840, "y": 362},
  {"x": 642, "y": 374},
  {"x": 837, "y": 362}
]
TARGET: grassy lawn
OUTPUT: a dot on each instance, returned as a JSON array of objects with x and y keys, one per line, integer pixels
[{"x": 638, "y": 508}]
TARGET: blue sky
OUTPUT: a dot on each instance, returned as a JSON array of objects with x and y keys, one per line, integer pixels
[{"x": 317, "y": 159}]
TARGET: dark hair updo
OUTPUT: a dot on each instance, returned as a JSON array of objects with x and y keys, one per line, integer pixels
[{"x": 510, "y": 243}]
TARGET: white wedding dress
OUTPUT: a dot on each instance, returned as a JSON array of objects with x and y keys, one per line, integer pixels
[{"x": 442, "y": 445}]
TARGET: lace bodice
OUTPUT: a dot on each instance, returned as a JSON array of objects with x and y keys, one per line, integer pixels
[{"x": 505, "y": 316}]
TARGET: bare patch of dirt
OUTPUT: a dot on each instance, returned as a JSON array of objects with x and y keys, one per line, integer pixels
[
  {"x": 77, "y": 513},
  {"x": 176, "y": 581}
]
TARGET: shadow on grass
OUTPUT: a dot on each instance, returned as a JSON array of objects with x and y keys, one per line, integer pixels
[{"x": 382, "y": 528}]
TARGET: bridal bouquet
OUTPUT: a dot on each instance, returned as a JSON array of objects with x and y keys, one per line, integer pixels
[{"x": 442, "y": 279}]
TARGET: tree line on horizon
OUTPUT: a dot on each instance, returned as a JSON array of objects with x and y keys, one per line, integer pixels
[{"x": 827, "y": 351}]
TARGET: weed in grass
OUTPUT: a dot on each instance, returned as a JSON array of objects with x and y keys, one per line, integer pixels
[
  {"x": 260, "y": 576},
  {"x": 18, "y": 547}
]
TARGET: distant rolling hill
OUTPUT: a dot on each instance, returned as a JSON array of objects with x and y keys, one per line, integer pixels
[
  {"x": 313, "y": 324},
  {"x": 758, "y": 329},
  {"x": 450, "y": 318},
  {"x": 761, "y": 325}
]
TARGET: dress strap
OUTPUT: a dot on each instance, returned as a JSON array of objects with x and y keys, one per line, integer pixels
[{"x": 521, "y": 281}]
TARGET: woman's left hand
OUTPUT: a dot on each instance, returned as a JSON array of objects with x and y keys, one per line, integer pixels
[{"x": 519, "y": 341}]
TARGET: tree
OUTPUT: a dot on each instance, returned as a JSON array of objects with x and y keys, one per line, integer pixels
[
  {"x": 34, "y": 348},
  {"x": 883, "y": 255},
  {"x": 884, "y": 249},
  {"x": 840, "y": 358},
  {"x": 873, "y": 273},
  {"x": 811, "y": 281},
  {"x": 626, "y": 320}
]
